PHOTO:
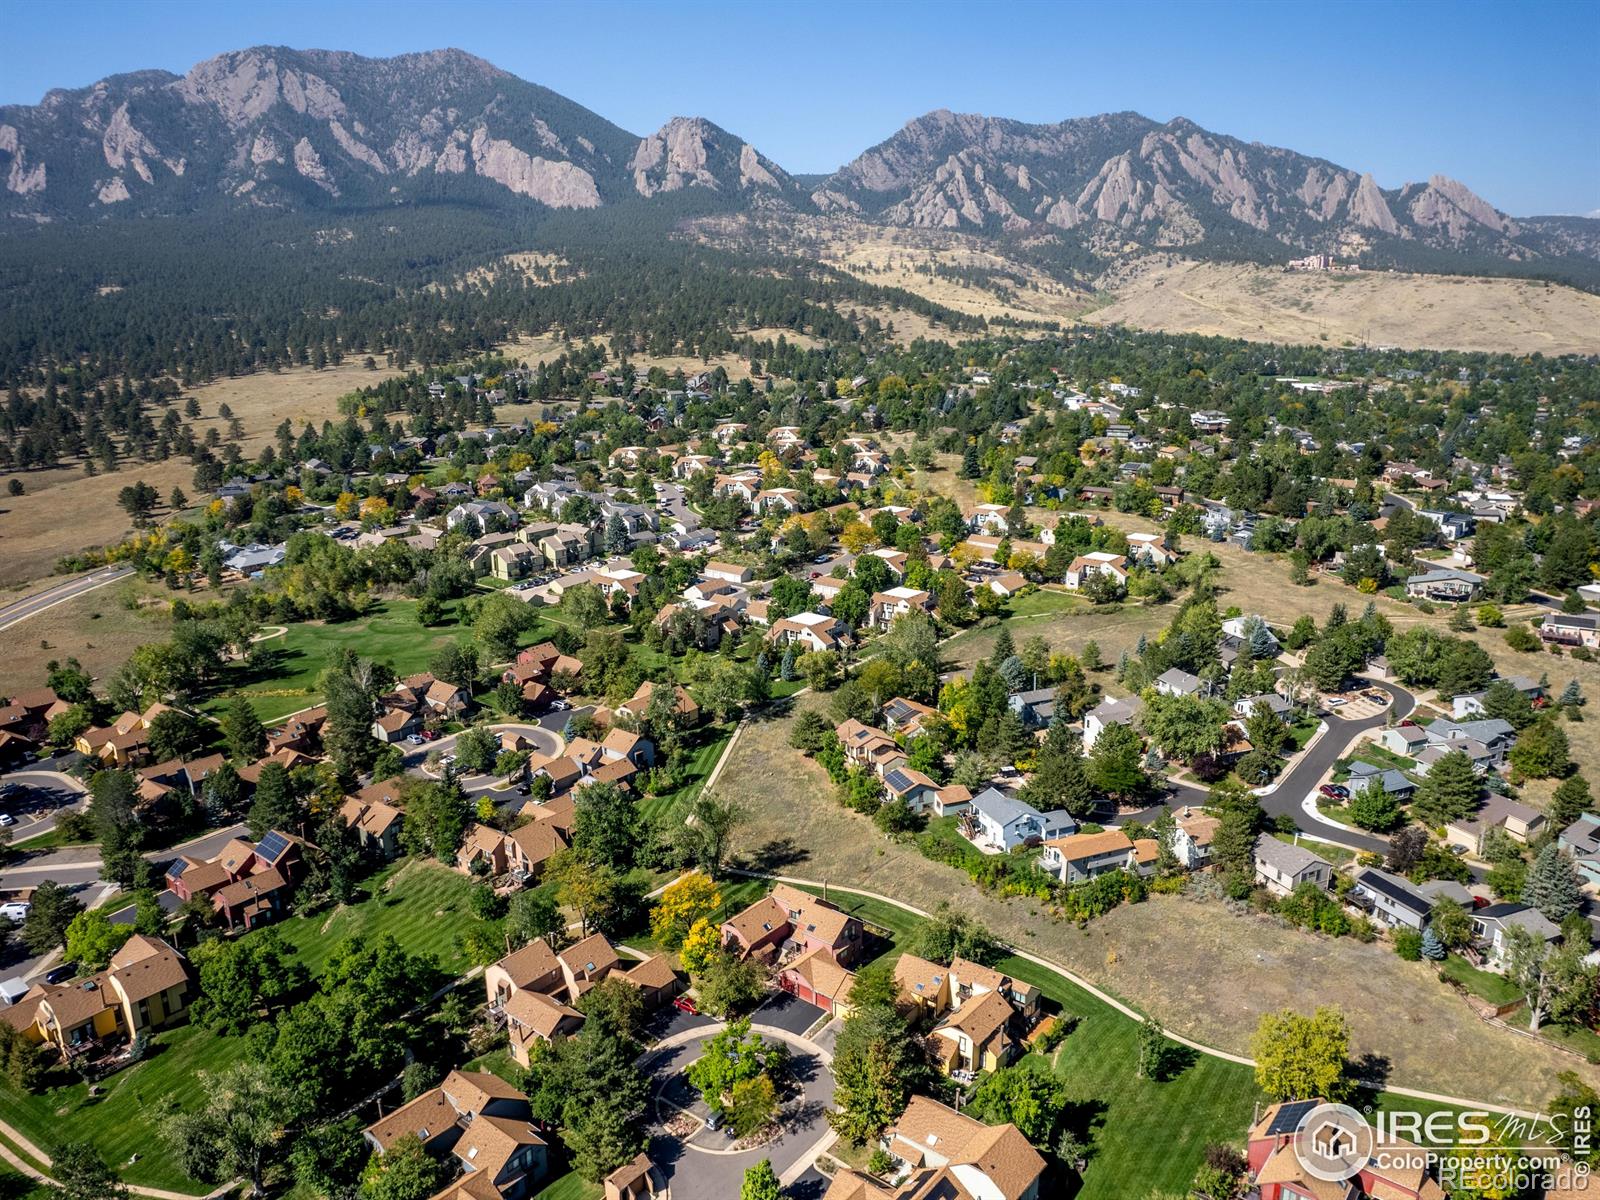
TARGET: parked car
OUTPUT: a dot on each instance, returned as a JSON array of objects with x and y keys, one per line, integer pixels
[
  {"x": 414, "y": 738},
  {"x": 1335, "y": 791},
  {"x": 714, "y": 1121},
  {"x": 685, "y": 1005},
  {"x": 61, "y": 974},
  {"x": 7, "y": 819},
  {"x": 821, "y": 558},
  {"x": 428, "y": 735},
  {"x": 1337, "y": 702},
  {"x": 16, "y": 911}
]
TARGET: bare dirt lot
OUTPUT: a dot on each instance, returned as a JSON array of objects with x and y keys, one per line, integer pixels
[
  {"x": 1376, "y": 308},
  {"x": 1193, "y": 966}
]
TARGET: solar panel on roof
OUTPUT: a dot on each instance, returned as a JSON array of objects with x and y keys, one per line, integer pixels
[
  {"x": 897, "y": 779},
  {"x": 177, "y": 869},
  {"x": 1290, "y": 1116},
  {"x": 271, "y": 845}
]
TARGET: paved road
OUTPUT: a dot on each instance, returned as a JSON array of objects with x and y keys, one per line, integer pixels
[
  {"x": 547, "y": 740},
  {"x": 1300, "y": 781},
  {"x": 78, "y": 867},
  {"x": 702, "y": 1167},
  {"x": 36, "y": 800},
  {"x": 20, "y": 610}
]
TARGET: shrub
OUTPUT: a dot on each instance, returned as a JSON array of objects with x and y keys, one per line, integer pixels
[
  {"x": 1521, "y": 638},
  {"x": 1408, "y": 944}
]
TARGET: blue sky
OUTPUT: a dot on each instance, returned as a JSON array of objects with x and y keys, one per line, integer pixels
[{"x": 1503, "y": 97}]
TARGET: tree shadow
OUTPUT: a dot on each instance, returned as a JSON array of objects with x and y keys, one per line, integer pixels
[
  {"x": 774, "y": 855},
  {"x": 1173, "y": 1061},
  {"x": 1372, "y": 1071}
]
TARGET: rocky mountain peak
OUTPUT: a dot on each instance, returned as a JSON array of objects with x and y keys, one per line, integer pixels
[{"x": 690, "y": 152}]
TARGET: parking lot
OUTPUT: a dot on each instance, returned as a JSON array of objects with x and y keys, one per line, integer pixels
[{"x": 1356, "y": 705}]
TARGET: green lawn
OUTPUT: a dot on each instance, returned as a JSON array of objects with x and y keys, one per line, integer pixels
[
  {"x": 424, "y": 905},
  {"x": 388, "y": 633},
  {"x": 1486, "y": 985},
  {"x": 571, "y": 1186},
  {"x": 1302, "y": 731},
  {"x": 53, "y": 840},
  {"x": 704, "y": 748},
  {"x": 120, "y": 1121},
  {"x": 16, "y": 1186},
  {"x": 1038, "y": 603}
]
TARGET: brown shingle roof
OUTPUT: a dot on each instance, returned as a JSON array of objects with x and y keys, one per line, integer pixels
[{"x": 530, "y": 964}]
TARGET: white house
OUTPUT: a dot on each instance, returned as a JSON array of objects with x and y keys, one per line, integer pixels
[
  {"x": 1109, "y": 712},
  {"x": 1096, "y": 562},
  {"x": 997, "y": 823}
]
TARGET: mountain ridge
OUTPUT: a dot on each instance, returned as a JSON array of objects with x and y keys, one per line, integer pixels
[{"x": 286, "y": 129}]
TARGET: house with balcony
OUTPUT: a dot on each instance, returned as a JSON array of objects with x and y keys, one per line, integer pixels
[
  {"x": 788, "y": 921},
  {"x": 481, "y": 1126},
  {"x": 997, "y": 823},
  {"x": 946, "y": 1154},
  {"x": 1572, "y": 629}
]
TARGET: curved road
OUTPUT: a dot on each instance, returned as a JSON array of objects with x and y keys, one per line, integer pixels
[
  {"x": 545, "y": 740},
  {"x": 20, "y": 610},
  {"x": 1300, "y": 780}
]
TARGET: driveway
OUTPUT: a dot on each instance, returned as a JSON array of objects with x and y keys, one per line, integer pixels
[
  {"x": 703, "y": 1165},
  {"x": 546, "y": 741},
  {"x": 788, "y": 1012}
]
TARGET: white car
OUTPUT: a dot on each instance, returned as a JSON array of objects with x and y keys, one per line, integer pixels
[
  {"x": 7, "y": 819},
  {"x": 16, "y": 911},
  {"x": 416, "y": 739}
]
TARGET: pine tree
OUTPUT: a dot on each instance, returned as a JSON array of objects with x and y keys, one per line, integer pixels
[
  {"x": 1571, "y": 801},
  {"x": 1572, "y": 694},
  {"x": 1004, "y": 647},
  {"x": 1449, "y": 790},
  {"x": 242, "y": 728},
  {"x": 1060, "y": 778},
  {"x": 1432, "y": 947},
  {"x": 1551, "y": 885},
  {"x": 786, "y": 669},
  {"x": 1091, "y": 656}
]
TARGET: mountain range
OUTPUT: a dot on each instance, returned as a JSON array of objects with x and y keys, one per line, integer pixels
[{"x": 314, "y": 130}]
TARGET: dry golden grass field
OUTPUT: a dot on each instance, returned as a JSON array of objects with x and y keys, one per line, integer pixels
[
  {"x": 1446, "y": 312},
  {"x": 100, "y": 629}
]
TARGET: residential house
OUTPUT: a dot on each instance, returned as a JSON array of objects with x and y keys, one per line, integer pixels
[
  {"x": 728, "y": 572},
  {"x": 1364, "y": 775},
  {"x": 1572, "y": 629},
  {"x": 949, "y": 1156},
  {"x": 1109, "y": 712},
  {"x": 1036, "y": 707},
  {"x": 1150, "y": 550},
  {"x": 376, "y": 818},
  {"x": 396, "y": 725},
  {"x": 1493, "y": 735},
  {"x": 483, "y": 1124},
  {"x": 1278, "y": 1170},
  {"x": 481, "y": 516},
  {"x": 997, "y": 823},
  {"x": 1491, "y": 925},
  {"x": 907, "y": 717},
  {"x": 1191, "y": 840},
  {"x": 1394, "y": 901},
  {"x": 988, "y": 518},
  {"x": 685, "y": 707},
  {"x": 1096, "y": 562},
  {"x": 1519, "y": 822},
  {"x": 1174, "y": 682},
  {"x": 788, "y": 921},
  {"x": 145, "y": 986},
  {"x": 1444, "y": 584},
  {"x": 1283, "y": 866},
  {"x": 816, "y": 977},
  {"x": 1404, "y": 740},
  {"x": 976, "y": 1036},
  {"x": 889, "y": 606},
  {"x": 1080, "y": 857},
  {"x": 809, "y": 631},
  {"x": 1581, "y": 839}
]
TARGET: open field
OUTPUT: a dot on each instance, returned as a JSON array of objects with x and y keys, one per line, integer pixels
[
  {"x": 1179, "y": 960},
  {"x": 33, "y": 531},
  {"x": 424, "y": 905},
  {"x": 1446, "y": 312},
  {"x": 388, "y": 633},
  {"x": 100, "y": 629}
]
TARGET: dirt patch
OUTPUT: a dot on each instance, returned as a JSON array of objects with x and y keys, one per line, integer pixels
[{"x": 1446, "y": 312}]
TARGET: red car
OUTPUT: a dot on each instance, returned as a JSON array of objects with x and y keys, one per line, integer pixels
[
  {"x": 685, "y": 1005},
  {"x": 1334, "y": 791}
]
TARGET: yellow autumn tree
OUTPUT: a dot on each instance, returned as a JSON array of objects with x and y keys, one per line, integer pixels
[
  {"x": 856, "y": 537},
  {"x": 683, "y": 904},
  {"x": 701, "y": 947},
  {"x": 346, "y": 505}
]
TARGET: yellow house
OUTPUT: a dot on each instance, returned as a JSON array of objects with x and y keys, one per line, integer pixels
[
  {"x": 923, "y": 983},
  {"x": 146, "y": 986}
]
